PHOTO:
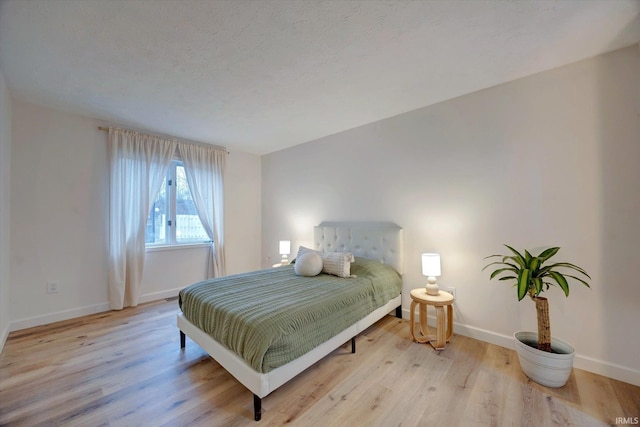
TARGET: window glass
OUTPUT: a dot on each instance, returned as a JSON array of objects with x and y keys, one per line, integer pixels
[
  {"x": 173, "y": 218},
  {"x": 188, "y": 225}
]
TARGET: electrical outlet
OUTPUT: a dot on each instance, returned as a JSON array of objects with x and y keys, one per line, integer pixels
[
  {"x": 53, "y": 287},
  {"x": 452, "y": 291}
]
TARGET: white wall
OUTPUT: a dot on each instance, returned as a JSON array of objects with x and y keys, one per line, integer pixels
[
  {"x": 243, "y": 212},
  {"x": 546, "y": 160},
  {"x": 59, "y": 179},
  {"x": 5, "y": 229},
  {"x": 58, "y": 228}
]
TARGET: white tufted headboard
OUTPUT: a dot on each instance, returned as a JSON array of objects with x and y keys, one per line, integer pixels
[{"x": 381, "y": 241}]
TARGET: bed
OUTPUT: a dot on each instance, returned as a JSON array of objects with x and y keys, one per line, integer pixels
[{"x": 269, "y": 359}]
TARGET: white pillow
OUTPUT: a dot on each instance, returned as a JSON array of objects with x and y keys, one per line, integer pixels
[
  {"x": 336, "y": 263},
  {"x": 303, "y": 250},
  {"x": 308, "y": 264}
]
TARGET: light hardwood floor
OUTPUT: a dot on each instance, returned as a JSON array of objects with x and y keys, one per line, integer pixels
[{"x": 126, "y": 368}]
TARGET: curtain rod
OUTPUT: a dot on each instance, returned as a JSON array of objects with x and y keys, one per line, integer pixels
[{"x": 106, "y": 129}]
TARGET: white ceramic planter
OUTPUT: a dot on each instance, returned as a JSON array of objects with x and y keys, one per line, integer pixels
[{"x": 548, "y": 369}]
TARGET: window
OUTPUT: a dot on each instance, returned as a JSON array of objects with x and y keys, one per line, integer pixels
[{"x": 173, "y": 219}]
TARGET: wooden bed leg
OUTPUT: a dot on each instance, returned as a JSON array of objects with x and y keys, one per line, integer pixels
[
  {"x": 353, "y": 345},
  {"x": 257, "y": 407},
  {"x": 399, "y": 312},
  {"x": 182, "y": 339}
]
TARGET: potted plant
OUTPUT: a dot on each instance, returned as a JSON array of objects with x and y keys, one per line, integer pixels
[{"x": 551, "y": 360}]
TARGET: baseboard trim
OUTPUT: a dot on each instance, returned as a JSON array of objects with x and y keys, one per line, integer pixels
[
  {"x": 596, "y": 366},
  {"x": 611, "y": 370},
  {"x": 155, "y": 296},
  {"x": 3, "y": 337},
  {"x": 30, "y": 322}
]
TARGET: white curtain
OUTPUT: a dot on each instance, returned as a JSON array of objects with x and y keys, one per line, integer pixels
[
  {"x": 138, "y": 164},
  {"x": 204, "y": 167}
]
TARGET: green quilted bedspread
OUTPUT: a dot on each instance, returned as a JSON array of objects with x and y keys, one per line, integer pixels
[{"x": 271, "y": 317}]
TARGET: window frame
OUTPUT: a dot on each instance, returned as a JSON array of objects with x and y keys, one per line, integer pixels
[{"x": 171, "y": 241}]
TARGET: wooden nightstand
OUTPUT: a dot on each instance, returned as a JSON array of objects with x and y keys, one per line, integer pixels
[{"x": 420, "y": 296}]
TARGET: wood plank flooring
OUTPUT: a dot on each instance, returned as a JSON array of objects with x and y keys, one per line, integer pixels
[{"x": 125, "y": 368}]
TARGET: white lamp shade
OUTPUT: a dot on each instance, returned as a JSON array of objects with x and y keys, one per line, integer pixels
[
  {"x": 285, "y": 247},
  {"x": 431, "y": 265}
]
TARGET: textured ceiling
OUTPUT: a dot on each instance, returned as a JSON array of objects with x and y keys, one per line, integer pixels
[{"x": 260, "y": 76}]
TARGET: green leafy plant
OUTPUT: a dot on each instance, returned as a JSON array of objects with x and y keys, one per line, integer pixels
[{"x": 532, "y": 276}]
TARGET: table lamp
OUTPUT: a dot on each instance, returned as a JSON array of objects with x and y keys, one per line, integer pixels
[
  {"x": 431, "y": 269},
  {"x": 285, "y": 249}
]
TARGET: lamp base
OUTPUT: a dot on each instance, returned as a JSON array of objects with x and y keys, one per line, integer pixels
[{"x": 432, "y": 287}]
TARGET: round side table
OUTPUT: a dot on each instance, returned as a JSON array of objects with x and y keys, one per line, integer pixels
[{"x": 420, "y": 297}]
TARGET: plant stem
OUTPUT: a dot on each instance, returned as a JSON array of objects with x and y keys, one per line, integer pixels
[{"x": 544, "y": 328}]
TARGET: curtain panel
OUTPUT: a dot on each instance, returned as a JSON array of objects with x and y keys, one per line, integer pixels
[
  {"x": 138, "y": 164},
  {"x": 204, "y": 167}
]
